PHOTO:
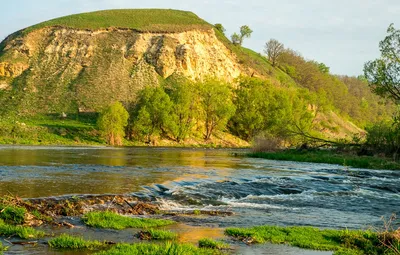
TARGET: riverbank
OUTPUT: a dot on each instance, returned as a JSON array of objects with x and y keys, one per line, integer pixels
[
  {"x": 82, "y": 131},
  {"x": 104, "y": 224},
  {"x": 330, "y": 157}
]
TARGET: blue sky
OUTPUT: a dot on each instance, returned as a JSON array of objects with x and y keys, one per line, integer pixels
[{"x": 343, "y": 34}]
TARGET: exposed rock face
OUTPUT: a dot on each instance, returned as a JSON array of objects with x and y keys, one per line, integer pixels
[
  {"x": 96, "y": 67},
  {"x": 12, "y": 70}
]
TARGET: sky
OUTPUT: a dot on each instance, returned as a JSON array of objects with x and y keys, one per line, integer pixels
[{"x": 343, "y": 34}]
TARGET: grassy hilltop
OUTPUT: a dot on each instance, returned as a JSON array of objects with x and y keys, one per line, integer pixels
[{"x": 143, "y": 20}]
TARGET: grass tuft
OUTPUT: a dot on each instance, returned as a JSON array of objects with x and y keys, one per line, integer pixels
[
  {"x": 2, "y": 248},
  {"x": 65, "y": 241},
  {"x": 20, "y": 231},
  {"x": 156, "y": 234},
  {"x": 116, "y": 221},
  {"x": 158, "y": 249},
  {"x": 212, "y": 244},
  {"x": 12, "y": 214},
  {"x": 350, "y": 242}
]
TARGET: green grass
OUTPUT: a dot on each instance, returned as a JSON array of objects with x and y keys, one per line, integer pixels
[
  {"x": 65, "y": 241},
  {"x": 20, "y": 231},
  {"x": 349, "y": 242},
  {"x": 2, "y": 248},
  {"x": 157, "y": 234},
  {"x": 329, "y": 157},
  {"x": 50, "y": 130},
  {"x": 212, "y": 244},
  {"x": 158, "y": 249},
  {"x": 144, "y": 20},
  {"x": 12, "y": 214},
  {"x": 115, "y": 221}
]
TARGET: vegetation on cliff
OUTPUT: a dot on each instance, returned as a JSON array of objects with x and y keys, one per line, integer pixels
[{"x": 174, "y": 86}]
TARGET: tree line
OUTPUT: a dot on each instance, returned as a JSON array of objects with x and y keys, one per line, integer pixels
[{"x": 178, "y": 110}]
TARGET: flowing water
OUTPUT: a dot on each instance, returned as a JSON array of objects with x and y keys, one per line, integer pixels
[{"x": 258, "y": 191}]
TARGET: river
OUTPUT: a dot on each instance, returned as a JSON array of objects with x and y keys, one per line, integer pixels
[{"x": 258, "y": 191}]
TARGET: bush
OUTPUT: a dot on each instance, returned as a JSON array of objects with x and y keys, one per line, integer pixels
[{"x": 384, "y": 137}]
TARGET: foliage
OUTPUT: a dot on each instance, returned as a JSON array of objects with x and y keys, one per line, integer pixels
[
  {"x": 158, "y": 249},
  {"x": 144, "y": 20},
  {"x": 245, "y": 32},
  {"x": 2, "y": 248},
  {"x": 329, "y": 157},
  {"x": 348, "y": 96},
  {"x": 65, "y": 241},
  {"x": 116, "y": 221},
  {"x": 212, "y": 244},
  {"x": 342, "y": 241},
  {"x": 216, "y": 105},
  {"x": 20, "y": 231},
  {"x": 12, "y": 214},
  {"x": 185, "y": 109},
  {"x": 152, "y": 113},
  {"x": 265, "y": 109},
  {"x": 157, "y": 234},
  {"x": 220, "y": 27},
  {"x": 112, "y": 122},
  {"x": 383, "y": 74},
  {"x": 366, "y": 107},
  {"x": 273, "y": 48},
  {"x": 384, "y": 137}
]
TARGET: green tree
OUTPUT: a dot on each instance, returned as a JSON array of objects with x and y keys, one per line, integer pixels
[
  {"x": 251, "y": 101},
  {"x": 152, "y": 113},
  {"x": 245, "y": 32},
  {"x": 185, "y": 109},
  {"x": 216, "y": 105},
  {"x": 220, "y": 27},
  {"x": 112, "y": 122},
  {"x": 383, "y": 74}
]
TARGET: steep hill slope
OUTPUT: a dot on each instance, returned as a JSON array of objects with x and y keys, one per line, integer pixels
[
  {"x": 89, "y": 60},
  {"x": 84, "y": 62}
]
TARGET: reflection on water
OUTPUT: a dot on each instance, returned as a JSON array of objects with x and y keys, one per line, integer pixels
[
  {"x": 52, "y": 171},
  {"x": 258, "y": 191}
]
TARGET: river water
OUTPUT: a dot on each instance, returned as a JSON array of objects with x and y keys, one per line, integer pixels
[{"x": 258, "y": 191}]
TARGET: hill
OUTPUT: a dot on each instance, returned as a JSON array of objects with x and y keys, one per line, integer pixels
[{"x": 82, "y": 63}]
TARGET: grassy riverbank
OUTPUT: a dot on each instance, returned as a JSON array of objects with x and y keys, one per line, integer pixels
[
  {"x": 82, "y": 130},
  {"x": 342, "y": 242},
  {"x": 159, "y": 241},
  {"x": 330, "y": 157}
]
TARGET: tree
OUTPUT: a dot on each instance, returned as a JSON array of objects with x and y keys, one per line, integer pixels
[
  {"x": 152, "y": 113},
  {"x": 216, "y": 105},
  {"x": 323, "y": 68},
  {"x": 185, "y": 109},
  {"x": 245, "y": 32},
  {"x": 236, "y": 39},
  {"x": 383, "y": 74},
  {"x": 251, "y": 100},
  {"x": 220, "y": 27},
  {"x": 112, "y": 122},
  {"x": 273, "y": 49}
]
